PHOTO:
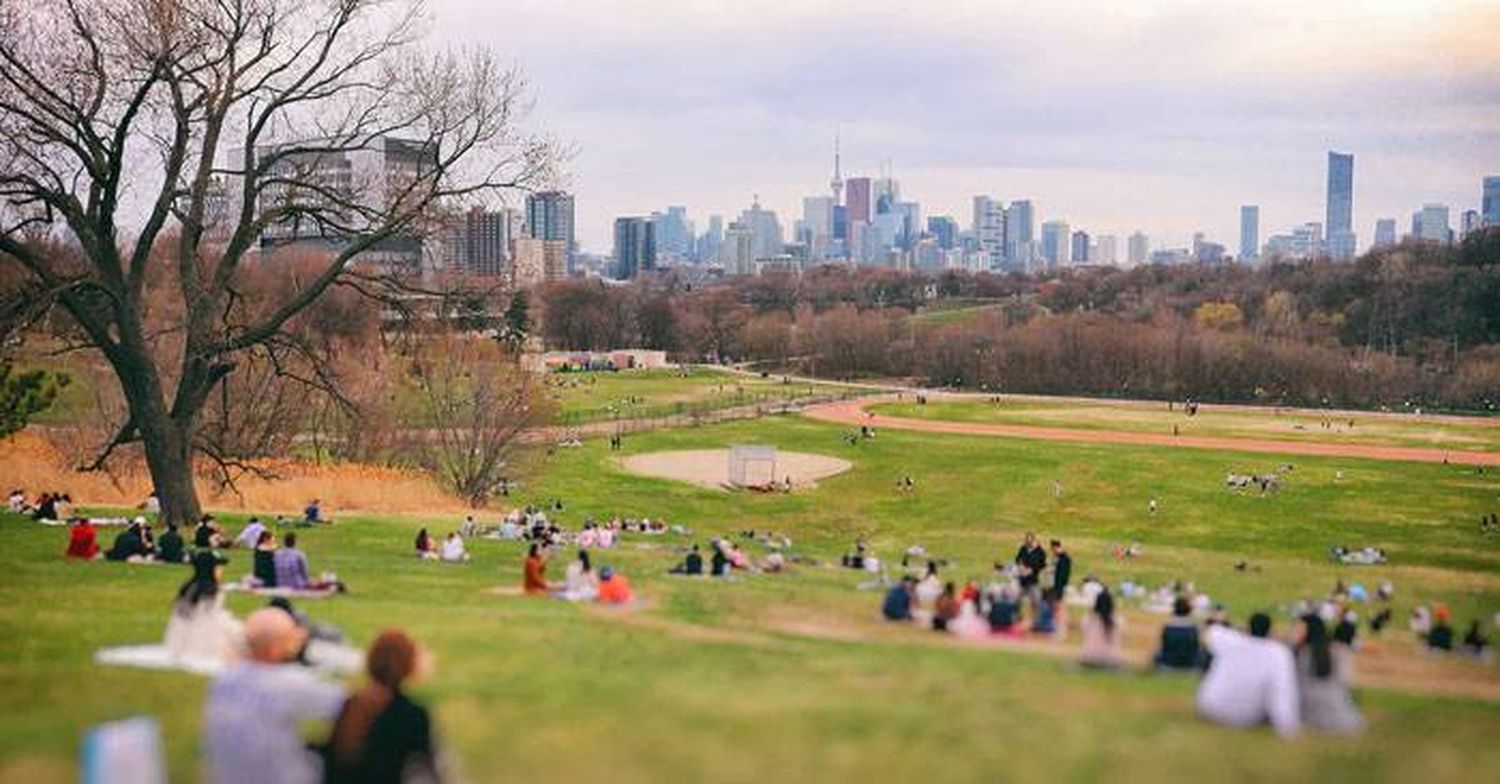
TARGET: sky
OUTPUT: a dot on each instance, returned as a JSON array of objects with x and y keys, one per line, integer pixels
[{"x": 1154, "y": 115}]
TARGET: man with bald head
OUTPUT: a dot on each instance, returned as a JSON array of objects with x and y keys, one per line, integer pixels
[{"x": 252, "y": 722}]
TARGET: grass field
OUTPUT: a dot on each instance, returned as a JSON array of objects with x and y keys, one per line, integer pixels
[
  {"x": 1214, "y": 421},
  {"x": 646, "y": 394},
  {"x": 790, "y": 677}
]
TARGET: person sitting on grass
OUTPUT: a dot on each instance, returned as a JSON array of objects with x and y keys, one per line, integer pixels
[
  {"x": 1475, "y": 641},
  {"x": 263, "y": 566},
  {"x": 17, "y": 502},
  {"x": 381, "y": 735},
  {"x": 1101, "y": 634},
  {"x": 83, "y": 540},
  {"x": 313, "y": 514},
  {"x": 580, "y": 583},
  {"x": 898, "y": 600},
  {"x": 1252, "y": 680},
  {"x": 1440, "y": 636},
  {"x": 1180, "y": 648},
  {"x": 249, "y": 538},
  {"x": 969, "y": 624},
  {"x": 170, "y": 547},
  {"x": 1005, "y": 610},
  {"x": 1323, "y": 680},
  {"x": 929, "y": 588},
  {"x": 453, "y": 549},
  {"x": 614, "y": 588},
  {"x": 129, "y": 545},
  {"x": 1044, "y": 620},
  {"x": 257, "y": 708},
  {"x": 720, "y": 562},
  {"x": 424, "y": 545},
  {"x": 534, "y": 572},
  {"x": 692, "y": 564},
  {"x": 200, "y": 628},
  {"x": 945, "y": 608},
  {"x": 208, "y": 535},
  {"x": 289, "y": 565}
]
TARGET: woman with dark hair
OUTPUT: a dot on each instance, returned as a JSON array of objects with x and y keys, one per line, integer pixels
[
  {"x": 534, "y": 572},
  {"x": 265, "y": 559},
  {"x": 1101, "y": 634},
  {"x": 425, "y": 546},
  {"x": 200, "y": 629},
  {"x": 946, "y": 608},
  {"x": 1323, "y": 680},
  {"x": 382, "y": 736},
  {"x": 580, "y": 583}
]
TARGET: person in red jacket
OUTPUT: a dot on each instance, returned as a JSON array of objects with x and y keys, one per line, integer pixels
[
  {"x": 614, "y": 588},
  {"x": 83, "y": 540}
]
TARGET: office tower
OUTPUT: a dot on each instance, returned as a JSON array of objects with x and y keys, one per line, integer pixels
[
  {"x": 1340, "y": 212},
  {"x": 1020, "y": 229},
  {"x": 1432, "y": 224},
  {"x": 1385, "y": 232},
  {"x": 945, "y": 230},
  {"x": 711, "y": 240},
  {"x": 1055, "y": 237},
  {"x": 885, "y": 193},
  {"x": 1468, "y": 223},
  {"x": 486, "y": 242},
  {"x": 817, "y": 217},
  {"x": 1080, "y": 254},
  {"x": 549, "y": 216},
  {"x": 767, "y": 229},
  {"x": 635, "y": 247},
  {"x": 1249, "y": 232},
  {"x": 739, "y": 250},
  {"x": 528, "y": 262},
  {"x": 1489, "y": 208},
  {"x": 1138, "y": 248},
  {"x": 673, "y": 239},
  {"x": 908, "y": 223},
  {"x": 1206, "y": 252},
  {"x": 857, "y": 199},
  {"x": 989, "y": 229},
  {"x": 840, "y": 222},
  {"x": 1108, "y": 250}
]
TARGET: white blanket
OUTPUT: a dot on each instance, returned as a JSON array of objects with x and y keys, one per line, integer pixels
[{"x": 331, "y": 658}]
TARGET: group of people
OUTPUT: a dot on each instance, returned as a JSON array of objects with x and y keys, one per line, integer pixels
[
  {"x": 581, "y": 583},
  {"x": 50, "y": 506},
  {"x": 137, "y": 542},
  {"x": 452, "y": 549}
]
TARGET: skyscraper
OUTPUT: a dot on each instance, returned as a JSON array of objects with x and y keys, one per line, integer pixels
[
  {"x": 1055, "y": 237},
  {"x": 1020, "y": 226},
  {"x": 635, "y": 247},
  {"x": 1385, "y": 232},
  {"x": 1138, "y": 248},
  {"x": 1432, "y": 224},
  {"x": 673, "y": 239},
  {"x": 765, "y": 226},
  {"x": 486, "y": 242},
  {"x": 739, "y": 250},
  {"x": 1080, "y": 254},
  {"x": 1108, "y": 250},
  {"x": 549, "y": 216},
  {"x": 857, "y": 198},
  {"x": 1468, "y": 223},
  {"x": 1249, "y": 232},
  {"x": 989, "y": 229},
  {"x": 1340, "y": 211},
  {"x": 1489, "y": 211},
  {"x": 817, "y": 216},
  {"x": 712, "y": 240},
  {"x": 944, "y": 229}
]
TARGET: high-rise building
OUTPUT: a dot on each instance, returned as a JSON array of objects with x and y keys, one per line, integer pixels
[
  {"x": 635, "y": 247},
  {"x": 528, "y": 262},
  {"x": 1249, "y": 232},
  {"x": 486, "y": 239},
  {"x": 908, "y": 223},
  {"x": 1340, "y": 212},
  {"x": 1108, "y": 250},
  {"x": 674, "y": 240},
  {"x": 767, "y": 229},
  {"x": 857, "y": 199},
  {"x": 549, "y": 216},
  {"x": 1468, "y": 223},
  {"x": 1489, "y": 208},
  {"x": 817, "y": 217},
  {"x": 1055, "y": 237},
  {"x": 943, "y": 229},
  {"x": 1080, "y": 254},
  {"x": 1432, "y": 224},
  {"x": 1385, "y": 232},
  {"x": 989, "y": 229},
  {"x": 712, "y": 240},
  {"x": 739, "y": 250},
  {"x": 1138, "y": 249},
  {"x": 1020, "y": 226}
]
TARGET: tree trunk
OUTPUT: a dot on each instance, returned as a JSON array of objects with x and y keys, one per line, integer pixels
[{"x": 167, "y": 443}]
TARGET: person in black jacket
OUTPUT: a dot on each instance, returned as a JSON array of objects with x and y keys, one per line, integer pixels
[
  {"x": 1031, "y": 559},
  {"x": 265, "y": 559},
  {"x": 169, "y": 546},
  {"x": 129, "y": 544},
  {"x": 382, "y": 736},
  {"x": 1180, "y": 647},
  {"x": 1062, "y": 567}
]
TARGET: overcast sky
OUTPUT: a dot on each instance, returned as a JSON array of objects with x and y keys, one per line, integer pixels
[{"x": 1161, "y": 116}]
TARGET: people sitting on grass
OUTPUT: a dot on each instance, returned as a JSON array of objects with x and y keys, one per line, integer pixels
[
  {"x": 130, "y": 545},
  {"x": 208, "y": 534},
  {"x": 969, "y": 624},
  {"x": 1252, "y": 680},
  {"x": 1180, "y": 649},
  {"x": 614, "y": 588},
  {"x": 1365, "y": 556},
  {"x": 534, "y": 572},
  {"x": 83, "y": 539},
  {"x": 200, "y": 628},
  {"x": 580, "y": 583},
  {"x": 1101, "y": 635},
  {"x": 249, "y": 537},
  {"x": 509, "y": 530},
  {"x": 257, "y": 708},
  {"x": 692, "y": 563},
  {"x": 381, "y": 735},
  {"x": 47, "y": 506},
  {"x": 453, "y": 549},
  {"x": 16, "y": 503},
  {"x": 169, "y": 547},
  {"x": 424, "y": 545},
  {"x": 1475, "y": 641},
  {"x": 1323, "y": 680},
  {"x": 264, "y": 560},
  {"x": 898, "y": 600}
]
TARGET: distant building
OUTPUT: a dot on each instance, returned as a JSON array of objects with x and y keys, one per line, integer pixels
[
  {"x": 674, "y": 236},
  {"x": 1432, "y": 224},
  {"x": 1305, "y": 242},
  {"x": 635, "y": 247},
  {"x": 1206, "y": 252},
  {"x": 857, "y": 199},
  {"x": 528, "y": 262},
  {"x": 1339, "y": 219},
  {"x": 1385, "y": 232},
  {"x": 1489, "y": 210},
  {"x": 1249, "y": 232},
  {"x": 1056, "y": 235},
  {"x": 767, "y": 229},
  {"x": 1020, "y": 227},
  {"x": 1138, "y": 248},
  {"x": 944, "y": 230},
  {"x": 1468, "y": 224},
  {"x": 1080, "y": 254},
  {"x": 817, "y": 219},
  {"x": 481, "y": 243},
  {"x": 549, "y": 216},
  {"x": 712, "y": 240},
  {"x": 739, "y": 250},
  {"x": 989, "y": 229},
  {"x": 1107, "y": 250}
]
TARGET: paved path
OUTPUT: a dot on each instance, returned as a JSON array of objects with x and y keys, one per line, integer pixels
[{"x": 852, "y": 412}]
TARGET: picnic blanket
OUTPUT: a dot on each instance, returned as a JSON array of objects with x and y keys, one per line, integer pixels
[
  {"x": 96, "y": 521},
  {"x": 328, "y": 657},
  {"x": 286, "y": 593}
]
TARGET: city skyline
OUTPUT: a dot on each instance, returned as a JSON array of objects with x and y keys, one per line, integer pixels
[{"x": 722, "y": 101}]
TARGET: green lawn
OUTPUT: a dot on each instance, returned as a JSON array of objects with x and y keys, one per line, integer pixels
[
  {"x": 644, "y": 394},
  {"x": 790, "y": 677},
  {"x": 1214, "y": 421}
]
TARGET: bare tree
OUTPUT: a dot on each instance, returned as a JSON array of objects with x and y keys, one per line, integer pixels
[
  {"x": 207, "y": 128},
  {"x": 476, "y": 402}
]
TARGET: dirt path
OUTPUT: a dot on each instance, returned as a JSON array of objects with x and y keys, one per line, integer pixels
[{"x": 852, "y": 412}]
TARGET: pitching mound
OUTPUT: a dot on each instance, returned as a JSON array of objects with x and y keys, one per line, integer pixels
[{"x": 710, "y": 467}]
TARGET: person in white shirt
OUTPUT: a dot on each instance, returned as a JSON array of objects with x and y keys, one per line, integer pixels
[
  {"x": 580, "y": 583},
  {"x": 249, "y": 537},
  {"x": 252, "y": 721},
  {"x": 1252, "y": 681},
  {"x": 453, "y": 549}
]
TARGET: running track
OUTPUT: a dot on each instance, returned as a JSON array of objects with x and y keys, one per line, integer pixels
[{"x": 852, "y": 413}]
